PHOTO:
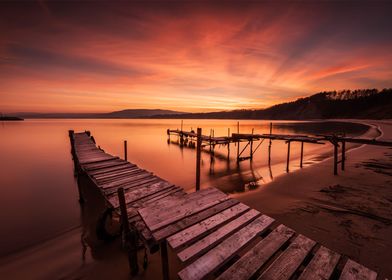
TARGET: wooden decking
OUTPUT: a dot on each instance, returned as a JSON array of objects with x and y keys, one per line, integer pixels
[
  {"x": 216, "y": 236},
  {"x": 108, "y": 173},
  {"x": 213, "y": 235}
]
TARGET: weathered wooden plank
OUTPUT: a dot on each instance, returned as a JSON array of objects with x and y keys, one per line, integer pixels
[
  {"x": 129, "y": 174},
  {"x": 134, "y": 215},
  {"x": 134, "y": 195},
  {"x": 102, "y": 165},
  {"x": 254, "y": 259},
  {"x": 191, "y": 233},
  {"x": 354, "y": 271},
  {"x": 148, "y": 181},
  {"x": 154, "y": 215},
  {"x": 185, "y": 208},
  {"x": 122, "y": 182},
  {"x": 168, "y": 194},
  {"x": 321, "y": 266},
  {"x": 216, "y": 257},
  {"x": 288, "y": 262},
  {"x": 218, "y": 235},
  {"x": 175, "y": 193},
  {"x": 139, "y": 184},
  {"x": 91, "y": 160},
  {"x": 112, "y": 168},
  {"x": 157, "y": 208},
  {"x": 116, "y": 173},
  {"x": 190, "y": 220}
]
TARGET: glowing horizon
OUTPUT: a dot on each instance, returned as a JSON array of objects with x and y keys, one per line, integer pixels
[{"x": 101, "y": 57}]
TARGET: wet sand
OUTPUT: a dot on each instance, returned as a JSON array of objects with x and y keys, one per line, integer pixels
[{"x": 350, "y": 213}]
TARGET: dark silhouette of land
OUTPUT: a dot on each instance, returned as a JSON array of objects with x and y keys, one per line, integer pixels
[
  {"x": 347, "y": 104},
  {"x": 356, "y": 104},
  {"x": 10, "y": 118},
  {"x": 124, "y": 114}
]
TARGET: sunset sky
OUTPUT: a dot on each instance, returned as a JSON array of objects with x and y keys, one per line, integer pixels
[{"x": 194, "y": 57}]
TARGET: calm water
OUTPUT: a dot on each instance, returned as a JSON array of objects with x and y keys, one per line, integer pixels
[{"x": 39, "y": 193}]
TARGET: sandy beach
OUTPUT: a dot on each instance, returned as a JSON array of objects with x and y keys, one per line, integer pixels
[{"x": 350, "y": 213}]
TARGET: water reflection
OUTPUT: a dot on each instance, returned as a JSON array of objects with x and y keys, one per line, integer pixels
[
  {"x": 37, "y": 169},
  {"x": 241, "y": 179}
]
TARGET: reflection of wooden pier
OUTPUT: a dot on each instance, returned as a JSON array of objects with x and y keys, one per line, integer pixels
[
  {"x": 212, "y": 234},
  {"x": 249, "y": 138}
]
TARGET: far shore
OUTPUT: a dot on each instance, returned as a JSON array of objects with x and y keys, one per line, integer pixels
[
  {"x": 6, "y": 118},
  {"x": 349, "y": 213}
]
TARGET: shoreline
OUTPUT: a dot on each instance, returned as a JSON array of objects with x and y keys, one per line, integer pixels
[{"x": 343, "y": 212}]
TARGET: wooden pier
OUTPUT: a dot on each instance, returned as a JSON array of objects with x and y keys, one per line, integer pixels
[
  {"x": 213, "y": 235},
  {"x": 249, "y": 138}
]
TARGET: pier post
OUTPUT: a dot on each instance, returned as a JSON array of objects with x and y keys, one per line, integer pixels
[
  {"x": 130, "y": 234},
  {"x": 288, "y": 156},
  {"x": 164, "y": 260},
  {"x": 343, "y": 154},
  {"x": 125, "y": 150},
  {"x": 228, "y": 144},
  {"x": 251, "y": 145},
  {"x": 270, "y": 144},
  {"x": 238, "y": 143},
  {"x": 302, "y": 153},
  {"x": 74, "y": 158},
  {"x": 335, "y": 158},
  {"x": 198, "y": 158}
]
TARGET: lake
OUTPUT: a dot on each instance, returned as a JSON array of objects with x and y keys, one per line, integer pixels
[{"x": 39, "y": 192}]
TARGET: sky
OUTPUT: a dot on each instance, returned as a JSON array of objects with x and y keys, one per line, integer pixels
[{"x": 95, "y": 56}]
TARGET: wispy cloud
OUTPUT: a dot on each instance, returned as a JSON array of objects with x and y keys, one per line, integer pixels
[{"x": 187, "y": 55}]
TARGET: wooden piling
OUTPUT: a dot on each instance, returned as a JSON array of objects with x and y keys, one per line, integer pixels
[
  {"x": 269, "y": 147},
  {"x": 302, "y": 154},
  {"x": 130, "y": 234},
  {"x": 238, "y": 143},
  {"x": 198, "y": 158},
  {"x": 335, "y": 158},
  {"x": 288, "y": 156},
  {"x": 343, "y": 154},
  {"x": 165, "y": 260},
  {"x": 125, "y": 150},
  {"x": 251, "y": 146},
  {"x": 228, "y": 144}
]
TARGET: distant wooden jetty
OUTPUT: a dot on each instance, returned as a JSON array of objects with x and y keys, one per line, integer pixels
[
  {"x": 251, "y": 138},
  {"x": 213, "y": 235}
]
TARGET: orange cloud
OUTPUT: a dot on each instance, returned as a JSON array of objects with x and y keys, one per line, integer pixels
[{"x": 186, "y": 57}]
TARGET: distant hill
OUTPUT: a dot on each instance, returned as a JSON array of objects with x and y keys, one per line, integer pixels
[
  {"x": 124, "y": 114},
  {"x": 10, "y": 118},
  {"x": 358, "y": 104}
]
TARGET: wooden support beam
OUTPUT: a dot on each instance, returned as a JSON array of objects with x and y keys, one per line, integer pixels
[
  {"x": 238, "y": 143},
  {"x": 130, "y": 234},
  {"x": 343, "y": 154},
  {"x": 288, "y": 156},
  {"x": 335, "y": 158},
  {"x": 125, "y": 150},
  {"x": 302, "y": 154},
  {"x": 165, "y": 260},
  {"x": 228, "y": 144},
  {"x": 251, "y": 146},
  {"x": 270, "y": 144},
  {"x": 198, "y": 158}
]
